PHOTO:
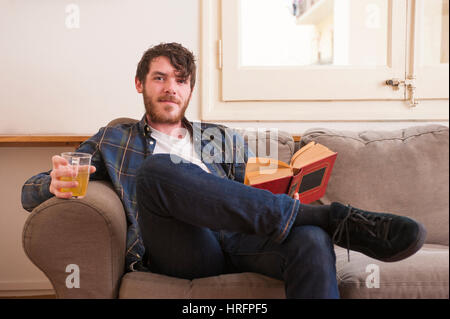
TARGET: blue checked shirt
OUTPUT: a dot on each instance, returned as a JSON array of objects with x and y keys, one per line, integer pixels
[{"x": 118, "y": 152}]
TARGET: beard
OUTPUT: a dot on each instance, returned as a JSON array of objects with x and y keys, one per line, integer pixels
[{"x": 161, "y": 113}]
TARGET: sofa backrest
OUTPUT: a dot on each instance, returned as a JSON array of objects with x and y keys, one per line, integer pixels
[{"x": 403, "y": 171}]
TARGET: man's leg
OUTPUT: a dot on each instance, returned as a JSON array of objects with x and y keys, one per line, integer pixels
[
  {"x": 178, "y": 249},
  {"x": 185, "y": 192},
  {"x": 180, "y": 206},
  {"x": 305, "y": 260}
]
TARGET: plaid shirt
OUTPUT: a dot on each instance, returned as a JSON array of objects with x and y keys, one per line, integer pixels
[{"x": 118, "y": 152}]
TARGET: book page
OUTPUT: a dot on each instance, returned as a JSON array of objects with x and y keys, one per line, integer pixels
[
  {"x": 258, "y": 163},
  {"x": 302, "y": 151},
  {"x": 312, "y": 154},
  {"x": 258, "y": 170}
]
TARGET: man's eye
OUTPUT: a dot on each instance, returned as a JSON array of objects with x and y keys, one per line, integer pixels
[
  {"x": 182, "y": 81},
  {"x": 158, "y": 78}
]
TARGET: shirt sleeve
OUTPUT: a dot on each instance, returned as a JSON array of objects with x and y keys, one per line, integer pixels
[
  {"x": 36, "y": 189},
  {"x": 92, "y": 146},
  {"x": 240, "y": 154}
]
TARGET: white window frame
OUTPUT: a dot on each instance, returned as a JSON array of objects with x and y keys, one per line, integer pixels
[
  {"x": 431, "y": 82},
  {"x": 215, "y": 108}
]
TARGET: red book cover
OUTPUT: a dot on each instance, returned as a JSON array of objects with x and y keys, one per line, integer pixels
[
  {"x": 310, "y": 181},
  {"x": 276, "y": 186}
]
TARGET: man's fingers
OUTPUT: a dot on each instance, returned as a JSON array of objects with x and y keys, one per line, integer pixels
[
  {"x": 57, "y": 190},
  {"x": 296, "y": 196},
  {"x": 58, "y": 161},
  {"x": 92, "y": 169},
  {"x": 57, "y": 186},
  {"x": 63, "y": 171},
  {"x": 62, "y": 184},
  {"x": 61, "y": 194}
]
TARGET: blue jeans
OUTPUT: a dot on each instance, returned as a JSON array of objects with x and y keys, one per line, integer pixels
[{"x": 195, "y": 224}]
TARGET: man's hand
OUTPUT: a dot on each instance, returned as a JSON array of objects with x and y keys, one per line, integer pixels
[
  {"x": 296, "y": 196},
  {"x": 61, "y": 168}
]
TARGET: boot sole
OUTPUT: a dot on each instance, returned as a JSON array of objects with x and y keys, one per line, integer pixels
[{"x": 412, "y": 249}]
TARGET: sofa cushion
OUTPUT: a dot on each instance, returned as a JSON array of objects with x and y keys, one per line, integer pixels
[
  {"x": 423, "y": 275},
  {"x": 147, "y": 285},
  {"x": 245, "y": 285},
  {"x": 405, "y": 172}
]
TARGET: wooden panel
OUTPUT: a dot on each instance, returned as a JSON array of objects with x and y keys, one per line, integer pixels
[
  {"x": 40, "y": 140},
  {"x": 54, "y": 140}
]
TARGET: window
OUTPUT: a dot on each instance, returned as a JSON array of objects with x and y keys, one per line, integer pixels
[
  {"x": 323, "y": 59},
  {"x": 334, "y": 50}
]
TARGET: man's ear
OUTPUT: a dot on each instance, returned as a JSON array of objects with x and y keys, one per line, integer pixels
[{"x": 139, "y": 85}]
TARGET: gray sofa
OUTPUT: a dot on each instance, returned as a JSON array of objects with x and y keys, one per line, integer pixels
[{"x": 404, "y": 171}]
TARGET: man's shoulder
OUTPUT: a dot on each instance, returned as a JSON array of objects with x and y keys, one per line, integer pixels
[
  {"x": 116, "y": 133},
  {"x": 120, "y": 129},
  {"x": 124, "y": 126}
]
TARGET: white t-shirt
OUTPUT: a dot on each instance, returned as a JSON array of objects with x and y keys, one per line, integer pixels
[{"x": 182, "y": 147}]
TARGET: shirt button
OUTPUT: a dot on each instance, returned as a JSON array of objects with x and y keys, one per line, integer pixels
[{"x": 151, "y": 142}]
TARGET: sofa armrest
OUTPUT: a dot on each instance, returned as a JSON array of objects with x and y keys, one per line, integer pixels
[{"x": 79, "y": 244}]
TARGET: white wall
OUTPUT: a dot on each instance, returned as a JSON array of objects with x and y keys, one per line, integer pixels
[
  {"x": 55, "y": 80},
  {"x": 17, "y": 274}
]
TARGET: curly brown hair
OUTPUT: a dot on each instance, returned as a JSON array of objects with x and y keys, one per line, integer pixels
[{"x": 181, "y": 59}]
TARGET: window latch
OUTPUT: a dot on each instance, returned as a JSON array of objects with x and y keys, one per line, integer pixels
[{"x": 410, "y": 85}]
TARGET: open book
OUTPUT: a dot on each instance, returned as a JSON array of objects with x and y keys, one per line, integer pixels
[{"x": 307, "y": 173}]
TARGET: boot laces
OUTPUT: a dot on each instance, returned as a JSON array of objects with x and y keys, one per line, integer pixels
[{"x": 376, "y": 226}]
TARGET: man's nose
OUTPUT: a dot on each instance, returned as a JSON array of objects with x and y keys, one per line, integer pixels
[{"x": 169, "y": 88}]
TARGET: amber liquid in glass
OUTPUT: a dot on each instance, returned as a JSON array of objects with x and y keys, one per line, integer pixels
[{"x": 82, "y": 178}]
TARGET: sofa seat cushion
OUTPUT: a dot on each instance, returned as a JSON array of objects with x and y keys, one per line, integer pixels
[
  {"x": 405, "y": 172},
  {"x": 423, "y": 275},
  {"x": 147, "y": 285}
]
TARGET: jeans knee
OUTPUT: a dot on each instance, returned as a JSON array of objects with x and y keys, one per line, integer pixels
[
  {"x": 154, "y": 163},
  {"x": 154, "y": 166},
  {"x": 146, "y": 174}
]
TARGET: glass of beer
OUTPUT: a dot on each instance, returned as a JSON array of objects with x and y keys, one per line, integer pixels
[{"x": 79, "y": 163}]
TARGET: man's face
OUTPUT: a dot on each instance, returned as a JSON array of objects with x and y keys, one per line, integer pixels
[{"x": 166, "y": 95}]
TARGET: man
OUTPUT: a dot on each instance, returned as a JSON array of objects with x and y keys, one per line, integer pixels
[{"x": 189, "y": 213}]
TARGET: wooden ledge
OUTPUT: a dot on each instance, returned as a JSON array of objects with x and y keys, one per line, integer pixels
[
  {"x": 52, "y": 140},
  {"x": 41, "y": 140}
]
